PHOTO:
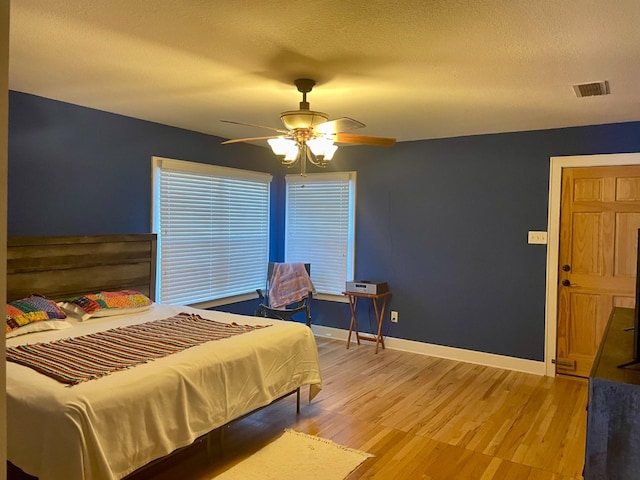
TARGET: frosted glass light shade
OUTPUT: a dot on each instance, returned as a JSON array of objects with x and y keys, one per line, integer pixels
[
  {"x": 322, "y": 147},
  {"x": 284, "y": 147}
]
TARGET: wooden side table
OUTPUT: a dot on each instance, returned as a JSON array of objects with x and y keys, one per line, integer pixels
[{"x": 379, "y": 301}]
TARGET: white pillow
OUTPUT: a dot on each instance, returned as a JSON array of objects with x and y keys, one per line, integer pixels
[
  {"x": 76, "y": 312},
  {"x": 39, "y": 327}
]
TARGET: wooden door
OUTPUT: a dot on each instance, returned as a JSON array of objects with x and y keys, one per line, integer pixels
[{"x": 599, "y": 221}]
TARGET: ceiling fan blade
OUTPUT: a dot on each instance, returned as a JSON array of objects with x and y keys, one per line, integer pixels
[
  {"x": 364, "y": 140},
  {"x": 338, "y": 125},
  {"x": 249, "y": 139},
  {"x": 253, "y": 125}
]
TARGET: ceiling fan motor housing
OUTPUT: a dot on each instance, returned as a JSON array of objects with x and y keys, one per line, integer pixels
[{"x": 295, "y": 119}]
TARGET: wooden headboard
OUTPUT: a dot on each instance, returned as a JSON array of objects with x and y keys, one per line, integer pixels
[{"x": 61, "y": 267}]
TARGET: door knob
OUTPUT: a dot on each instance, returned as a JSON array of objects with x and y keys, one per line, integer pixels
[
  {"x": 566, "y": 268},
  {"x": 567, "y": 283}
]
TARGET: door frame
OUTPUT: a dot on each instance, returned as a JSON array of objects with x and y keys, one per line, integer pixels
[{"x": 553, "y": 237}]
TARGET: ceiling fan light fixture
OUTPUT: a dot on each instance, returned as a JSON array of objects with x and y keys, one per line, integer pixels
[{"x": 310, "y": 135}]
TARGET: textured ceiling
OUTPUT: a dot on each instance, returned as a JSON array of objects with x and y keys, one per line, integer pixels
[{"x": 413, "y": 69}]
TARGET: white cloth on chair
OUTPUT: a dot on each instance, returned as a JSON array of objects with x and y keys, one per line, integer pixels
[{"x": 290, "y": 283}]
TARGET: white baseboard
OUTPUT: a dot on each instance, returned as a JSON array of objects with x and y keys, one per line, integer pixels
[{"x": 451, "y": 353}]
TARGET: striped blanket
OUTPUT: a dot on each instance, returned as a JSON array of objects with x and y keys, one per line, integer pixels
[{"x": 79, "y": 359}]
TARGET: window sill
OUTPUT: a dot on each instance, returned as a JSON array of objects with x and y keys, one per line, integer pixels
[
  {"x": 225, "y": 301},
  {"x": 328, "y": 297},
  {"x": 331, "y": 297}
]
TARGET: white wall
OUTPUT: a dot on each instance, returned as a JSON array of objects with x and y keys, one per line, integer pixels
[{"x": 4, "y": 134}]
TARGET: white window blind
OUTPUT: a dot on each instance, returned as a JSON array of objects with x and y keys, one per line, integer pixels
[
  {"x": 213, "y": 230},
  {"x": 320, "y": 225}
]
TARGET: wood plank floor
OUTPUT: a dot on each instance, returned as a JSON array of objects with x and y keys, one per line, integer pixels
[{"x": 422, "y": 418}]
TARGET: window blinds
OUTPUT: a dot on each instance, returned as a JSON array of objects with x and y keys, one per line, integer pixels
[
  {"x": 213, "y": 225},
  {"x": 320, "y": 220}
]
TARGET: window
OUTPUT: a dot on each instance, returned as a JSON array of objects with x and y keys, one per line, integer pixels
[
  {"x": 320, "y": 225},
  {"x": 213, "y": 230}
]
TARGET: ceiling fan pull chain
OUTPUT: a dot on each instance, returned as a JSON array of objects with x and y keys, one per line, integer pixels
[{"x": 303, "y": 160}]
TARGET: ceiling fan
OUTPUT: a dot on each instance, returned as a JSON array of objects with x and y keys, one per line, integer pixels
[{"x": 310, "y": 135}]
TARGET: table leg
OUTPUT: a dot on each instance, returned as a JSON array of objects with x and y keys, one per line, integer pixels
[
  {"x": 379, "y": 317},
  {"x": 353, "y": 301}
]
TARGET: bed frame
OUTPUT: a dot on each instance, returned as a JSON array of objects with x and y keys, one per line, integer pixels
[
  {"x": 80, "y": 264},
  {"x": 65, "y": 266}
]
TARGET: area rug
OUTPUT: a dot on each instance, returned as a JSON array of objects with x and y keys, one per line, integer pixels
[{"x": 296, "y": 456}]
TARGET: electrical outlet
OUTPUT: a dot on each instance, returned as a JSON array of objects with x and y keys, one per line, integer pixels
[
  {"x": 394, "y": 316},
  {"x": 539, "y": 238}
]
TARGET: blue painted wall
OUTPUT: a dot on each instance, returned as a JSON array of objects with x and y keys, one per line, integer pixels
[
  {"x": 444, "y": 222},
  {"x": 77, "y": 170}
]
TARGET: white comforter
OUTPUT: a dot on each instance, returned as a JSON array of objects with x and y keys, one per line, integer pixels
[{"x": 107, "y": 428}]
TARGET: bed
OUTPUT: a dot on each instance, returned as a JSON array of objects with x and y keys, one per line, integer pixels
[{"x": 112, "y": 426}]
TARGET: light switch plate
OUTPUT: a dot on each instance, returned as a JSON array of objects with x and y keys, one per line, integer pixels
[{"x": 538, "y": 238}]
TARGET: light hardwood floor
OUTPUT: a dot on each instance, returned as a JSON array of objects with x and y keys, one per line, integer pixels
[{"x": 422, "y": 417}]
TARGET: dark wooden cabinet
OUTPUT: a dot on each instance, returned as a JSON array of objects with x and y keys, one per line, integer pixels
[{"x": 613, "y": 410}]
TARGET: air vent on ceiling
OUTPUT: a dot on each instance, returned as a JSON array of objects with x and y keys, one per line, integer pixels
[{"x": 591, "y": 89}]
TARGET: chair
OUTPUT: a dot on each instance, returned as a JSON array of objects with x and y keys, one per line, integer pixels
[{"x": 301, "y": 300}]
